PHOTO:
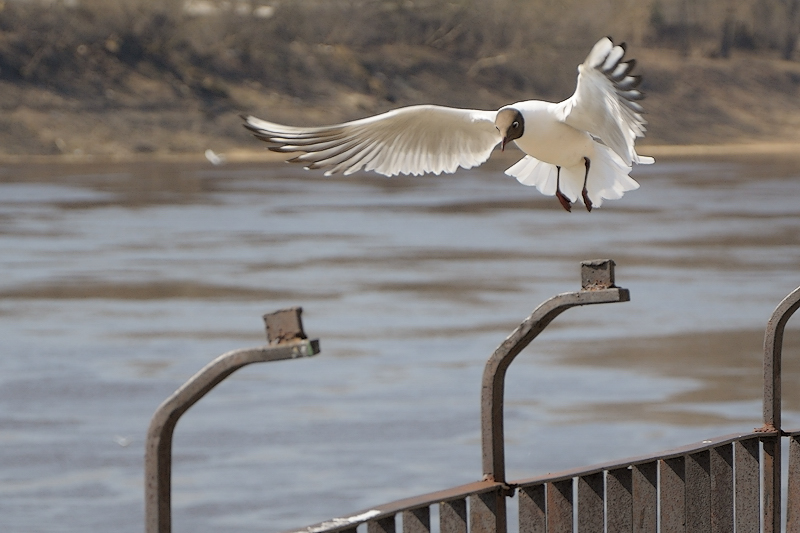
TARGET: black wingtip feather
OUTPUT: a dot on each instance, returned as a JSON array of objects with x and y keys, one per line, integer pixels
[
  {"x": 624, "y": 82},
  {"x": 633, "y": 106},
  {"x": 633, "y": 95},
  {"x": 627, "y": 67},
  {"x": 628, "y": 83}
]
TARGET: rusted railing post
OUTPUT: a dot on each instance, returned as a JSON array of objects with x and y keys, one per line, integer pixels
[
  {"x": 773, "y": 346},
  {"x": 597, "y": 287},
  {"x": 286, "y": 341}
]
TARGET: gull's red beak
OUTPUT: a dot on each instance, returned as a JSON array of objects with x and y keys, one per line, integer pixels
[{"x": 503, "y": 144}]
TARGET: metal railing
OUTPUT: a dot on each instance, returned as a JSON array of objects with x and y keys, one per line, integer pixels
[
  {"x": 724, "y": 484},
  {"x": 286, "y": 341}
]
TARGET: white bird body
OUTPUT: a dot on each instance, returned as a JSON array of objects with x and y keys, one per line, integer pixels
[
  {"x": 552, "y": 141},
  {"x": 582, "y": 147}
]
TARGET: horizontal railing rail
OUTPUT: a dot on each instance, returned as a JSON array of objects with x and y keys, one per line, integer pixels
[
  {"x": 415, "y": 512},
  {"x": 682, "y": 451}
]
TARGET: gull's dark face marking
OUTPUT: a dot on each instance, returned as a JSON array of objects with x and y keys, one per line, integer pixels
[{"x": 510, "y": 124}]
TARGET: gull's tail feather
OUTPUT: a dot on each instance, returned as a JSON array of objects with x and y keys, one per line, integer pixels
[
  {"x": 532, "y": 172},
  {"x": 545, "y": 176},
  {"x": 608, "y": 177}
]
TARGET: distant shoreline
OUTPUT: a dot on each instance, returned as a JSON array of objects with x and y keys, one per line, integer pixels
[{"x": 265, "y": 156}]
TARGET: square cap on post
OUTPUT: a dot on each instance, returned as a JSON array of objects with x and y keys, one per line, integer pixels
[
  {"x": 597, "y": 274},
  {"x": 284, "y": 325}
]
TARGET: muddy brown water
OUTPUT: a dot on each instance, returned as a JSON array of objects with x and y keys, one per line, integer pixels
[{"x": 121, "y": 280}]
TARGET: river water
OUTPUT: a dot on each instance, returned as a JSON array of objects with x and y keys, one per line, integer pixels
[{"x": 120, "y": 281}]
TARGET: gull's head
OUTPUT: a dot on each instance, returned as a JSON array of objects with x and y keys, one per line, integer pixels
[{"x": 510, "y": 124}]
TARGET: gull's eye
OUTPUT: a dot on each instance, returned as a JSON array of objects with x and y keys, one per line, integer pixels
[{"x": 515, "y": 124}]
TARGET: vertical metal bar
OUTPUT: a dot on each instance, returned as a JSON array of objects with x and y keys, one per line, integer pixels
[
  {"x": 644, "y": 478},
  {"x": 673, "y": 495},
  {"x": 453, "y": 516},
  {"x": 598, "y": 287},
  {"x": 417, "y": 520},
  {"x": 698, "y": 492},
  {"x": 747, "y": 498},
  {"x": 771, "y": 466},
  {"x": 591, "y": 504},
  {"x": 487, "y": 512},
  {"x": 559, "y": 507},
  {"x": 382, "y": 525},
  {"x": 793, "y": 498},
  {"x": 532, "y": 515},
  {"x": 722, "y": 489},
  {"x": 773, "y": 345},
  {"x": 619, "y": 500}
]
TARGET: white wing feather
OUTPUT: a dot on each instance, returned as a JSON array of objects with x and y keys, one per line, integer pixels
[
  {"x": 605, "y": 102},
  {"x": 410, "y": 140}
]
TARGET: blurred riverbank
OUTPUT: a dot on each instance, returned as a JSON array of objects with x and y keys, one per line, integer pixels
[{"x": 154, "y": 79}]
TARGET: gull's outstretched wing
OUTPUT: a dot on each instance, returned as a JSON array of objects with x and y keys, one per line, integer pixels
[
  {"x": 606, "y": 101},
  {"x": 410, "y": 140}
]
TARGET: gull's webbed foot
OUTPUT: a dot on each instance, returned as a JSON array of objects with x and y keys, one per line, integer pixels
[
  {"x": 563, "y": 200},
  {"x": 586, "y": 200}
]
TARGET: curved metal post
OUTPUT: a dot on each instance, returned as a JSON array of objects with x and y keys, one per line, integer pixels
[
  {"x": 158, "y": 449},
  {"x": 597, "y": 288},
  {"x": 773, "y": 346}
]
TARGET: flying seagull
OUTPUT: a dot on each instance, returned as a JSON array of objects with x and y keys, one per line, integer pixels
[{"x": 582, "y": 147}]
